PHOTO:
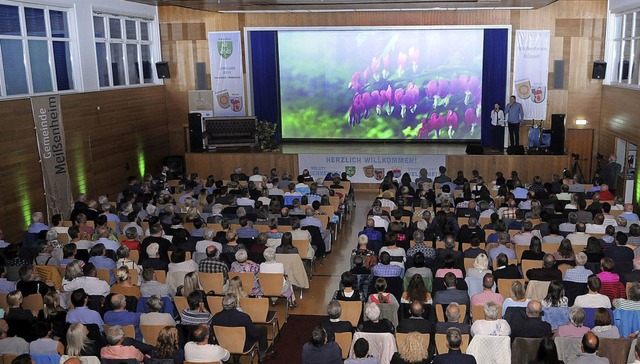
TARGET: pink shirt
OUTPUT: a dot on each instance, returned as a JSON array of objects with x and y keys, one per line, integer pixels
[
  {"x": 608, "y": 277},
  {"x": 571, "y": 331},
  {"x": 479, "y": 299},
  {"x": 442, "y": 271},
  {"x": 121, "y": 352}
]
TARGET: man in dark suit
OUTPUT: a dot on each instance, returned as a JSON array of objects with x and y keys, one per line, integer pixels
[
  {"x": 470, "y": 231},
  {"x": 530, "y": 324},
  {"x": 449, "y": 245},
  {"x": 454, "y": 340},
  {"x": 231, "y": 317},
  {"x": 451, "y": 293},
  {"x": 416, "y": 322},
  {"x": 333, "y": 325},
  {"x": 622, "y": 256},
  {"x": 548, "y": 272},
  {"x": 634, "y": 275},
  {"x": 504, "y": 269},
  {"x": 453, "y": 317}
]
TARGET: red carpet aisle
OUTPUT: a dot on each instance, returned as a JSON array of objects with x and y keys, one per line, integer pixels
[{"x": 292, "y": 337}]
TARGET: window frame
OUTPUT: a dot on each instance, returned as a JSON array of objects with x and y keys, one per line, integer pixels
[
  {"x": 25, "y": 38},
  {"x": 624, "y": 55},
  {"x": 124, "y": 42}
]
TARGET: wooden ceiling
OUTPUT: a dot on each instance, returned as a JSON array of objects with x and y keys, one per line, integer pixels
[{"x": 340, "y": 5}]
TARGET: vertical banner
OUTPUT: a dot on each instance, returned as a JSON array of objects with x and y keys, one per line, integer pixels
[
  {"x": 47, "y": 117},
  {"x": 531, "y": 72},
  {"x": 226, "y": 74}
]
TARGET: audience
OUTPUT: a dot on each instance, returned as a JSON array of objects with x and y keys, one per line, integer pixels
[{"x": 319, "y": 350}]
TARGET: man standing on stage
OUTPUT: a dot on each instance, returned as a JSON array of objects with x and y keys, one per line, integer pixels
[
  {"x": 515, "y": 114},
  {"x": 610, "y": 172}
]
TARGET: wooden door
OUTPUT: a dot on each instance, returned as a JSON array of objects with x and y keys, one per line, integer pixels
[{"x": 580, "y": 141}]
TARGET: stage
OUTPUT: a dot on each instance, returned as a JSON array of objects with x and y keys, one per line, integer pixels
[{"x": 222, "y": 163}]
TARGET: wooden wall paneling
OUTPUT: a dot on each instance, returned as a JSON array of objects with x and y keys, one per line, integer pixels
[
  {"x": 580, "y": 141},
  {"x": 527, "y": 166},
  {"x": 221, "y": 165}
]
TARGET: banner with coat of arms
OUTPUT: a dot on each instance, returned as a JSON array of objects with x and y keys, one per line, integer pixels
[
  {"x": 227, "y": 80},
  {"x": 531, "y": 72}
]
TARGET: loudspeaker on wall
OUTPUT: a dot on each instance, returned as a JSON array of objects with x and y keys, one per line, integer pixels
[
  {"x": 599, "y": 70},
  {"x": 162, "y": 69}
]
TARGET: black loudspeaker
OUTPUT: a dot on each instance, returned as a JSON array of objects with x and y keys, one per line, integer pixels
[
  {"x": 557, "y": 134},
  {"x": 195, "y": 132},
  {"x": 599, "y": 70},
  {"x": 558, "y": 74},
  {"x": 176, "y": 166},
  {"x": 515, "y": 150},
  {"x": 162, "y": 69},
  {"x": 474, "y": 149},
  {"x": 201, "y": 76}
]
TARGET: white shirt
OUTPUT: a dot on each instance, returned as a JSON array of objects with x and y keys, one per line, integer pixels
[
  {"x": 186, "y": 266},
  {"x": 92, "y": 285},
  {"x": 157, "y": 318},
  {"x": 593, "y": 301},
  {"x": 205, "y": 353},
  {"x": 83, "y": 244},
  {"x": 578, "y": 238},
  {"x": 108, "y": 244},
  {"x": 498, "y": 327},
  {"x": 497, "y": 118},
  {"x": 202, "y": 246}
]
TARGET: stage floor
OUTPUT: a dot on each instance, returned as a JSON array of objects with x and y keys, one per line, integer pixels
[{"x": 376, "y": 148}]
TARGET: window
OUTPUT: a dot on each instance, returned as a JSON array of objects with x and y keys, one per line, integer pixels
[
  {"x": 626, "y": 49},
  {"x": 123, "y": 50},
  {"x": 35, "y": 50}
]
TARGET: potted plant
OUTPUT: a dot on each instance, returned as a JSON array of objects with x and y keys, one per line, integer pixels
[{"x": 266, "y": 131}]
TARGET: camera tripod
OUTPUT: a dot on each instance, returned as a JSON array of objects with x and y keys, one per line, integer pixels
[{"x": 576, "y": 171}]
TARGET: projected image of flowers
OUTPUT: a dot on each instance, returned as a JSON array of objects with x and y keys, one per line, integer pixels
[{"x": 384, "y": 84}]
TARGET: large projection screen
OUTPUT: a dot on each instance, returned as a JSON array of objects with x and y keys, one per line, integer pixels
[{"x": 391, "y": 84}]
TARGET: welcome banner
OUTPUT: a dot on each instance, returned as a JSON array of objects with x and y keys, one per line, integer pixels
[
  {"x": 227, "y": 79},
  {"x": 531, "y": 72},
  {"x": 365, "y": 168},
  {"x": 47, "y": 117}
]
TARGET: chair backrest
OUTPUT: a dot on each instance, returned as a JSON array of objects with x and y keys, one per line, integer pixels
[
  {"x": 468, "y": 263},
  {"x": 441, "y": 316},
  {"x": 344, "y": 340},
  {"x": 231, "y": 338},
  {"x": 441, "y": 343},
  {"x": 134, "y": 255},
  {"x": 181, "y": 303},
  {"x": 215, "y": 304},
  {"x": 133, "y": 291},
  {"x": 351, "y": 311},
  {"x": 511, "y": 261},
  {"x": 8, "y": 358},
  {"x": 129, "y": 330},
  {"x": 550, "y": 248},
  {"x": 103, "y": 274},
  {"x": 212, "y": 282},
  {"x": 3, "y": 300},
  {"x": 33, "y": 302},
  {"x": 504, "y": 286},
  {"x": 257, "y": 308},
  {"x": 303, "y": 248},
  {"x": 161, "y": 276},
  {"x": 247, "y": 279},
  {"x": 150, "y": 333},
  {"x": 400, "y": 338},
  {"x": 519, "y": 250},
  {"x": 528, "y": 264},
  {"x": 271, "y": 284}
]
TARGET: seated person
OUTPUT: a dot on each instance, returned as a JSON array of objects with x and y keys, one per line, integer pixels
[
  {"x": 548, "y": 272},
  {"x": 412, "y": 350},
  {"x": 381, "y": 296},
  {"x": 150, "y": 285},
  {"x": 120, "y": 316},
  {"x": 449, "y": 267},
  {"x": 504, "y": 269},
  {"x": 535, "y": 250},
  {"x": 361, "y": 353},
  {"x": 480, "y": 266},
  {"x": 155, "y": 316},
  {"x": 373, "y": 321},
  {"x": 416, "y": 322},
  {"x": 555, "y": 296},
  {"x": 416, "y": 291},
  {"x": 593, "y": 298},
  {"x": 14, "y": 308},
  {"x": 517, "y": 298},
  {"x": 384, "y": 268},
  {"x": 491, "y": 325},
  {"x": 633, "y": 299},
  {"x": 603, "y": 325},
  {"x": 321, "y": 351},
  {"x": 530, "y": 323},
  {"x": 115, "y": 350},
  {"x": 578, "y": 274},
  {"x": 451, "y": 293},
  {"x": 452, "y": 314},
  {"x": 200, "y": 350},
  {"x": 45, "y": 345},
  {"x": 196, "y": 313},
  {"x": 346, "y": 293},
  {"x": 474, "y": 250},
  {"x": 454, "y": 340},
  {"x": 333, "y": 324},
  {"x": 575, "y": 326}
]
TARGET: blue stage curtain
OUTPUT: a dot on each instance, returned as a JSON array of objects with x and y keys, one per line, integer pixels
[
  {"x": 494, "y": 81},
  {"x": 266, "y": 88}
]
